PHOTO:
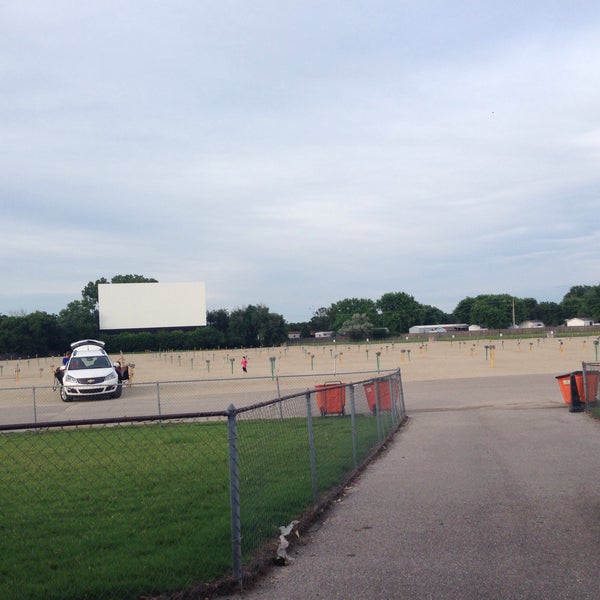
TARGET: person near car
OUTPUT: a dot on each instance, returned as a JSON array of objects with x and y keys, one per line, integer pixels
[
  {"x": 60, "y": 371},
  {"x": 123, "y": 373}
]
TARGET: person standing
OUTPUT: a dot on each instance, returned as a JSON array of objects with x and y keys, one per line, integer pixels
[{"x": 244, "y": 363}]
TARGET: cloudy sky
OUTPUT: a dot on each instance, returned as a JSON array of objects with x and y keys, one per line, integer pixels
[{"x": 296, "y": 153}]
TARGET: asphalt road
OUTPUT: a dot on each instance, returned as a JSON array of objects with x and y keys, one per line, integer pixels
[{"x": 492, "y": 490}]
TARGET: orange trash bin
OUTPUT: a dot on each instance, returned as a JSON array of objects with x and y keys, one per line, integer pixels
[
  {"x": 331, "y": 401},
  {"x": 385, "y": 398},
  {"x": 564, "y": 382},
  {"x": 591, "y": 386}
]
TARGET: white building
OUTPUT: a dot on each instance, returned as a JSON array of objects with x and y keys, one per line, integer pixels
[
  {"x": 579, "y": 322},
  {"x": 442, "y": 328}
]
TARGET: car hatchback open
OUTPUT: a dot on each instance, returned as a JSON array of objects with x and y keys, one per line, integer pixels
[{"x": 89, "y": 373}]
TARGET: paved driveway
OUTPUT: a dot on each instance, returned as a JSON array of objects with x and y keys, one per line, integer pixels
[{"x": 492, "y": 490}]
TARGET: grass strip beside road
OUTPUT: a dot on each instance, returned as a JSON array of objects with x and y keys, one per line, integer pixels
[{"x": 113, "y": 512}]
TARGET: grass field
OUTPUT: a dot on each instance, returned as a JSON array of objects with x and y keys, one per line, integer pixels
[{"x": 113, "y": 512}]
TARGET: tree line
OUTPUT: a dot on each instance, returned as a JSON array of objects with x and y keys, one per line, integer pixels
[{"x": 43, "y": 334}]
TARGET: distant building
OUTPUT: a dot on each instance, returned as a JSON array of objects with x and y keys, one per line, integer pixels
[
  {"x": 442, "y": 328},
  {"x": 294, "y": 335},
  {"x": 530, "y": 324},
  {"x": 324, "y": 334},
  {"x": 579, "y": 322}
]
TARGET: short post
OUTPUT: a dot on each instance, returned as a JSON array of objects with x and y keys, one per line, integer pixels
[
  {"x": 311, "y": 449},
  {"x": 272, "y": 359},
  {"x": 378, "y": 354},
  {"x": 232, "y": 360},
  {"x": 234, "y": 495},
  {"x": 595, "y": 349},
  {"x": 208, "y": 365}
]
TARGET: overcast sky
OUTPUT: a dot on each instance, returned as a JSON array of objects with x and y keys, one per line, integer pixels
[{"x": 298, "y": 153}]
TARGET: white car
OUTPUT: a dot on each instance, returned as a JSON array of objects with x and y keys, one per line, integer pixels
[{"x": 89, "y": 373}]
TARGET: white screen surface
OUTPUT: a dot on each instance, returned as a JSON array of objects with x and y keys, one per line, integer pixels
[{"x": 150, "y": 305}]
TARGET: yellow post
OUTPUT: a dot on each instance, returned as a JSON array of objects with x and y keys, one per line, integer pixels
[{"x": 492, "y": 355}]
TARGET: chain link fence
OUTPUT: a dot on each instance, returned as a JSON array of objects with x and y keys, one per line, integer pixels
[{"x": 176, "y": 484}]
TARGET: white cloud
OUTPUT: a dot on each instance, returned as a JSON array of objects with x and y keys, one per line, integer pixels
[{"x": 300, "y": 154}]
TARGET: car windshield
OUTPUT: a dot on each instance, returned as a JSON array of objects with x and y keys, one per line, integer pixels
[{"x": 89, "y": 362}]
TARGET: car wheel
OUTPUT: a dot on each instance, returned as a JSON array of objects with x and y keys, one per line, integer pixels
[
  {"x": 63, "y": 394},
  {"x": 117, "y": 393}
]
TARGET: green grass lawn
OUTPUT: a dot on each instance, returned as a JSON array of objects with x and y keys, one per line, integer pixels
[{"x": 111, "y": 512}]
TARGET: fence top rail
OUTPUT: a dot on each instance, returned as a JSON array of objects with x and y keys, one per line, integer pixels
[{"x": 113, "y": 420}]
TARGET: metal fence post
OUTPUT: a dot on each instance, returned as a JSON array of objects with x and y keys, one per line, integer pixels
[
  {"x": 393, "y": 400},
  {"x": 311, "y": 448},
  {"x": 158, "y": 397},
  {"x": 353, "y": 426},
  {"x": 279, "y": 396},
  {"x": 34, "y": 406},
  {"x": 378, "y": 412},
  {"x": 234, "y": 495},
  {"x": 401, "y": 394}
]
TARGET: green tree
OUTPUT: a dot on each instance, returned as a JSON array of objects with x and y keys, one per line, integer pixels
[
  {"x": 79, "y": 320},
  {"x": 431, "y": 315},
  {"x": 357, "y": 327},
  {"x": 582, "y": 301},
  {"x": 320, "y": 321},
  {"x": 254, "y": 326},
  {"x": 218, "y": 319},
  {"x": 340, "y": 312},
  {"x": 463, "y": 311},
  {"x": 493, "y": 311},
  {"x": 550, "y": 313},
  {"x": 399, "y": 311}
]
